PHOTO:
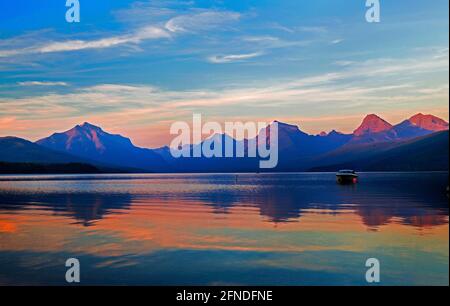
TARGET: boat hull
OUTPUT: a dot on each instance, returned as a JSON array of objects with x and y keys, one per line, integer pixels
[{"x": 346, "y": 179}]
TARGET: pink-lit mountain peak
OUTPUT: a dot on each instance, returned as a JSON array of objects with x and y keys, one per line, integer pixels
[
  {"x": 88, "y": 125},
  {"x": 86, "y": 132},
  {"x": 429, "y": 122},
  {"x": 372, "y": 124},
  {"x": 88, "y": 128}
]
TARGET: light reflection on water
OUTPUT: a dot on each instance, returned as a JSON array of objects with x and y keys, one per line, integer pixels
[{"x": 259, "y": 229}]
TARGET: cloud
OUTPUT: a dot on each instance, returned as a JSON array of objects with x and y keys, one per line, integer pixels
[
  {"x": 305, "y": 29},
  {"x": 267, "y": 42},
  {"x": 222, "y": 59},
  {"x": 344, "y": 63},
  {"x": 258, "y": 39},
  {"x": 156, "y": 10},
  {"x": 141, "y": 34},
  {"x": 280, "y": 27},
  {"x": 39, "y": 83},
  {"x": 313, "y": 29},
  {"x": 202, "y": 21}
]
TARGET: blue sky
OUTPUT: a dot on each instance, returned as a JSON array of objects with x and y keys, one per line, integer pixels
[{"x": 135, "y": 67}]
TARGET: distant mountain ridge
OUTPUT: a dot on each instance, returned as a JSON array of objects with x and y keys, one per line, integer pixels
[
  {"x": 14, "y": 149},
  {"x": 90, "y": 141},
  {"x": 420, "y": 125},
  {"x": 298, "y": 151},
  {"x": 26, "y": 156},
  {"x": 375, "y": 129},
  {"x": 426, "y": 153}
]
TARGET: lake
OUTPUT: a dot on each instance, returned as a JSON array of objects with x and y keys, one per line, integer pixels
[{"x": 224, "y": 229}]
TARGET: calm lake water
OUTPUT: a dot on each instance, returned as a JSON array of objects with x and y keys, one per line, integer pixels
[{"x": 224, "y": 229}]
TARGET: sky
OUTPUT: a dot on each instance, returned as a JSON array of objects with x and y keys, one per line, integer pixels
[{"x": 135, "y": 67}]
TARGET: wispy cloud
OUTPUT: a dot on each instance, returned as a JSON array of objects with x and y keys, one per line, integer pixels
[
  {"x": 336, "y": 41},
  {"x": 223, "y": 59},
  {"x": 312, "y": 29},
  {"x": 201, "y": 21},
  {"x": 141, "y": 12},
  {"x": 304, "y": 29},
  {"x": 283, "y": 28},
  {"x": 141, "y": 34},
  {"x": 261, "y": 39},
  {"x": 40, "y": 83},
  {"x": 344, "y": 63}
]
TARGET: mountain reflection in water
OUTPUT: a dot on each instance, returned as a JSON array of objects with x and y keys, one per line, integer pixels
[{"x": 270, "y": 229}]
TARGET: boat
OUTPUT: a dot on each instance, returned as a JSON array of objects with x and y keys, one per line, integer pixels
[{"x": 346, "y": 177}]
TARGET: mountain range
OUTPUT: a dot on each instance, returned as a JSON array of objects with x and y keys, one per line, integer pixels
[{"x": 418, "y": 143}]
